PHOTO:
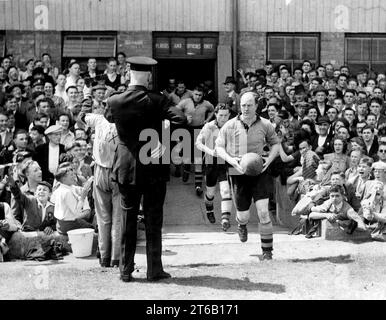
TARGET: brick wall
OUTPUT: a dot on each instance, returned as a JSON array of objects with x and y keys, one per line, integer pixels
[
  {"x": 332, "y": 48},
  {"x": 251, "y": 52},
  {"x": 135, "y": 43},
  {"x": 25, "y": 45}
]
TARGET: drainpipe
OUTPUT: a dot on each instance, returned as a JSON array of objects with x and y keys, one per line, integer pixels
[{"x": 235, "y": 26}]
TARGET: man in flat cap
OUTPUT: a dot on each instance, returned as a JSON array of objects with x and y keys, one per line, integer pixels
[
  {"x": 48, "y": 154},
  {"x": 133, "y": 111},
  {"x": 232, "y": 99}
]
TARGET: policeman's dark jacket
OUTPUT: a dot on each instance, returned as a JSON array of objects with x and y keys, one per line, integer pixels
[{"x": 132, "y": 111}]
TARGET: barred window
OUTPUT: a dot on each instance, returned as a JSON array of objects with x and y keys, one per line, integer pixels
[
  {"x": 365, "y": 52},
  {"x": 292, "y": 49}
]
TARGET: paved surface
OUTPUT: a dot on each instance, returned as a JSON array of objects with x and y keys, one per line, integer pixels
[{"x": 207, "y": 263}]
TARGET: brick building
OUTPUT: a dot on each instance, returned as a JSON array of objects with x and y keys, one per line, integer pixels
[{"x": 198, "y": 39}]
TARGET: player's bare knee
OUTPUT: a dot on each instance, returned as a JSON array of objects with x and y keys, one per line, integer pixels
[
  {"x": 242, "y": 217},
  {"x": 225, "y": 190},
  {"x": 210, "y": 191}
]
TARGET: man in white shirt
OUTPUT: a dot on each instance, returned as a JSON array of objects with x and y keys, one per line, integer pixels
[
  {"x": 74, "y": 74},
  {"x": 60, "y": 88},
  {"x": 106, "y": 192},
  {"x": 71, "y": 205}
]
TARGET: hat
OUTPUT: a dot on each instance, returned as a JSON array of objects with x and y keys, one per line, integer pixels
[
  {"x": 230, "y": 80},
  {"x": 98, "y": 87},
  {"x": 46, "y": 184},
  {"x": 319, "y": 89},
  {"x": 299, "y": 89},
  {"x": 38, "y": 82},
  {"x": 53, "y": 129},
  {"x": 28, "y": 61},
  {"x": 139, "y": 63},
  {"x": 38, "y": 70},
  {"x": 320, "y": 80},
  {"x": 323, "y": 119},
  {"x": 15, "y": 85},
  {"x": 379, "y": 165}
]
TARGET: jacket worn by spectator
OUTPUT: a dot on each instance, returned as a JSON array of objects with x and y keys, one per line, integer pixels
[{"x": 36, "y": 217}]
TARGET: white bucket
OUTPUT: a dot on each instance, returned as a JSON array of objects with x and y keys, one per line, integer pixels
[{"x": 81, "y": 241}]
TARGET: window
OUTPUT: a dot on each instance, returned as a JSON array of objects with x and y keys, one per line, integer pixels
[
  {"x": 366, "y": 52},
  {"x": 293, "y": 49},
  {"x": 2, "y": 45},
  {"x": 81, "y": 46}
]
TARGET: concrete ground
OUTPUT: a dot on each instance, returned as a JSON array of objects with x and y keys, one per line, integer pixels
[{"x": 207, "y": 263}]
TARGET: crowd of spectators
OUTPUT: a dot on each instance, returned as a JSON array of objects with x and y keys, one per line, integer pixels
[
  {"x": 331, "y": 123},
  {"x": 332, "y": 127},
  {"x": 46, "y": 158}
]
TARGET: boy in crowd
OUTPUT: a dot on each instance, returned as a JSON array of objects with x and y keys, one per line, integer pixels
[
  {"x": 38, "y": 211},
  {"x": 336, "y": 209},
  {"x": 71, "y": 205}
]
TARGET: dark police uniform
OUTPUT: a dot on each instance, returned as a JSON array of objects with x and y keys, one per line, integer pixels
[{"x": 133, "y": 111}]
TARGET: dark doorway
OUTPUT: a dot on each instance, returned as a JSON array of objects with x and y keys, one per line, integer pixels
[{"x": 192, "y": 71}]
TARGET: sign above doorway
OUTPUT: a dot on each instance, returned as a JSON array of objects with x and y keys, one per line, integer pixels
[{"x": 185, "y": 46}]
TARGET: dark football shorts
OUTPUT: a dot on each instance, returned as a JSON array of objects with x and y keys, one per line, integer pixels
[
  {"x": 245, "y": 188},
  {"x": 215, "y": 173}
]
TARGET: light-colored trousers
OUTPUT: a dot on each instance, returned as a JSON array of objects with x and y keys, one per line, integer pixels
[{"x": 108, "y": 210}]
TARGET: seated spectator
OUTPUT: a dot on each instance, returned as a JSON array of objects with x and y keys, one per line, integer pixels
[
  {"x": 306, "y": 176},
  {"x": 358, "y": 145},
  {"x": 322, "y": 141},
  {"x": 5, "y": 135},
  {"x": 8, "y": 225},
  {"x": 338, "y": 160},
  {"x": 32, "y": 173},
  {"x": 38, "y": 212},
  {"x": 379, "y": 171},
  {"x": 335, "y": 210},
  {"x": 352, "y": 172},
  {"x": 358, "y": 183},
  {"x": 374, "y": 213},
  {"x": 71, "y": 205}
]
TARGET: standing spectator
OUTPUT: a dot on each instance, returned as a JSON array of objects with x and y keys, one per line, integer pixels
[
  {"x": 47, "y": 155},
  {"x": 111, "y": 78},
  {"x": 180, "y": 93},
  {"x": 29, "y": 68},
  {"x": 48, "y": 67},
  {"x": 105, "y": 191},
  {"x": 60, "y": 89},
  {"x": 5, "y": 135},
  {"x": 198, "y": 112},
  {"x": 73, "y": 76},
  {"x": 233, "y": 99},
  {"x": 67, "y": 138}
]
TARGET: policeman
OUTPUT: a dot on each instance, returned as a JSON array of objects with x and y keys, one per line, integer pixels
[{"x": 133, "y": 111}]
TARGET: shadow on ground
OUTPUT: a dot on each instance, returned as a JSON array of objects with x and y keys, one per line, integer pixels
[
  {"x": 222, "y": 283},
  {"x": 338, "y": 259}
]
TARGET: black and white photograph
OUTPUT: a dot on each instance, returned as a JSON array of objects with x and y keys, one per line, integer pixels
[{"x": 192, "y": 156}]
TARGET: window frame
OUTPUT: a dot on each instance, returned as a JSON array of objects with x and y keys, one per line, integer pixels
[
  {"x": 101, "y": 60},
  {"x": 3, "y": 48},
  {"x": 292, "y": 63},
  {"x": 369, "y": 63}
]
